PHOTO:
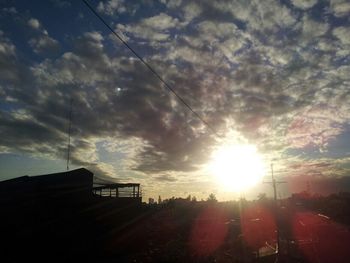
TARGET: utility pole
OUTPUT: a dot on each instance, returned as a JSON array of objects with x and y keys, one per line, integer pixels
[
  {"x": 274, "y": 186},
  {"x": 240, "y": 210}
]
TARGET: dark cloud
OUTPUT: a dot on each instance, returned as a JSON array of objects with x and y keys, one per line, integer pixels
[
  {"x": 166, "y": 178},
  {"x": 258, "y": 68}
]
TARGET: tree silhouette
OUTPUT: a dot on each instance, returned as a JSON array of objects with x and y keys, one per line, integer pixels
[{"x": 212, "y": 198}]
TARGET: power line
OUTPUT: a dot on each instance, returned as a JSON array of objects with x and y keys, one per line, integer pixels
[{"x": 151, "y": 69}]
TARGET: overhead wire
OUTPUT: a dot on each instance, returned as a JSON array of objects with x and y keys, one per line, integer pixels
[{"x": 150, "y": 68}]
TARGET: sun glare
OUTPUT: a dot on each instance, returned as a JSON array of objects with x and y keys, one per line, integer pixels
[{"x": 237, "y": 167}]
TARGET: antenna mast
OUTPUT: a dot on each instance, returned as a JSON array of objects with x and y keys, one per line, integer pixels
[{"x": 69, "y": 132}]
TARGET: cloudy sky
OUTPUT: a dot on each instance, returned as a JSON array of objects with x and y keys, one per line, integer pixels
[{"x": 271, "y": 73}]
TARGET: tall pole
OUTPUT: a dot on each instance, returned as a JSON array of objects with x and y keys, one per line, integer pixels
[
  {"x": 69, "y": 131},
  {"x": 276, "y": 210},
  {"x": 273, "y": 184},
  {"x": 240, "y": 210}
]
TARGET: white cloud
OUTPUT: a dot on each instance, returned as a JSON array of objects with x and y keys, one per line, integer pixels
[
  {"x": 343, "y": 34},
  {"x": 44, "y": 44},
  {"x": 278, "y": 56},
  {"x": 9, "y": 70},
  {"x": 225, "y": 37},
  {"x": 6, "y": 47},
  {"x": 340, "y": 8},
  {"x": 127, "y": 150},
  {"x": 260, "y": 15},
  {"x": 192, "y": 55},
  {"x": 312, "y": 28},
  {"x": 95, "y": 37},
  {"x": 326, "y": 44},
  {"x": 145, "y": 33},
  {"x": 112, "y": 7},
  {"x": 152, "y": 28},
  {"x": 160, "y": 22},
  {"x": 304, "y": 4},
  {"x": 171, "y": 3},
  {"x": 191, "y": 10},
  {"x": 34, "y": 23},
  {"x": 230, "y": 46},
  {"x": 309, "y": 31},
  {"x": 212, "y": 30}
]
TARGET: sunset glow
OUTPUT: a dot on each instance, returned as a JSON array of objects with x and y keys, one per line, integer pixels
[{"x": 237, "y": 167}]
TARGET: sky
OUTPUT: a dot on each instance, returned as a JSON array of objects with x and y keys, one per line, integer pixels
[{"x": 274, "y": 74}]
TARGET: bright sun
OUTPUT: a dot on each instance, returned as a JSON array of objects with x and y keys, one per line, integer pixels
[{"x": 237, "y": 167}]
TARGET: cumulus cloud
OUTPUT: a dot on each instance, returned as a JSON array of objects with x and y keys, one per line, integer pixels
[
  {"x": 304, "y": 4},
  {"x": 312, "y": 29},
  {"x": 42, "y": 43},
  {"x": 343, "y": 34},
  {"x": 275, "y": 77},
  {"x": 171, "y": 3},
  {"x": 340, "y": 8},
  {"x": 154, "y": 28},
  {"x": 34, "y": 23},
  {"x": 260, "y": 16},
  {"x": 111, "y": 7},
  {"x": 191, "y": 10},
  {"x": 9, "y": 66}
]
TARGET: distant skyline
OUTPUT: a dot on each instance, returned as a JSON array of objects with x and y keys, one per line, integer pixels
[{"x": 274, "y": 74}]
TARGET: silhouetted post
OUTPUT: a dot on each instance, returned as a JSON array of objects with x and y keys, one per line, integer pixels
[
  {"x": 274, "y": 186},
  {"x": 69, "y": 131},
  {"x": 241, "y": 223},
  {"x": 276, "y": 208}
]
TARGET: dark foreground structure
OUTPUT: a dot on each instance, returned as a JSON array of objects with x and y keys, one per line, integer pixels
[{"x": 63, "y": 216}]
